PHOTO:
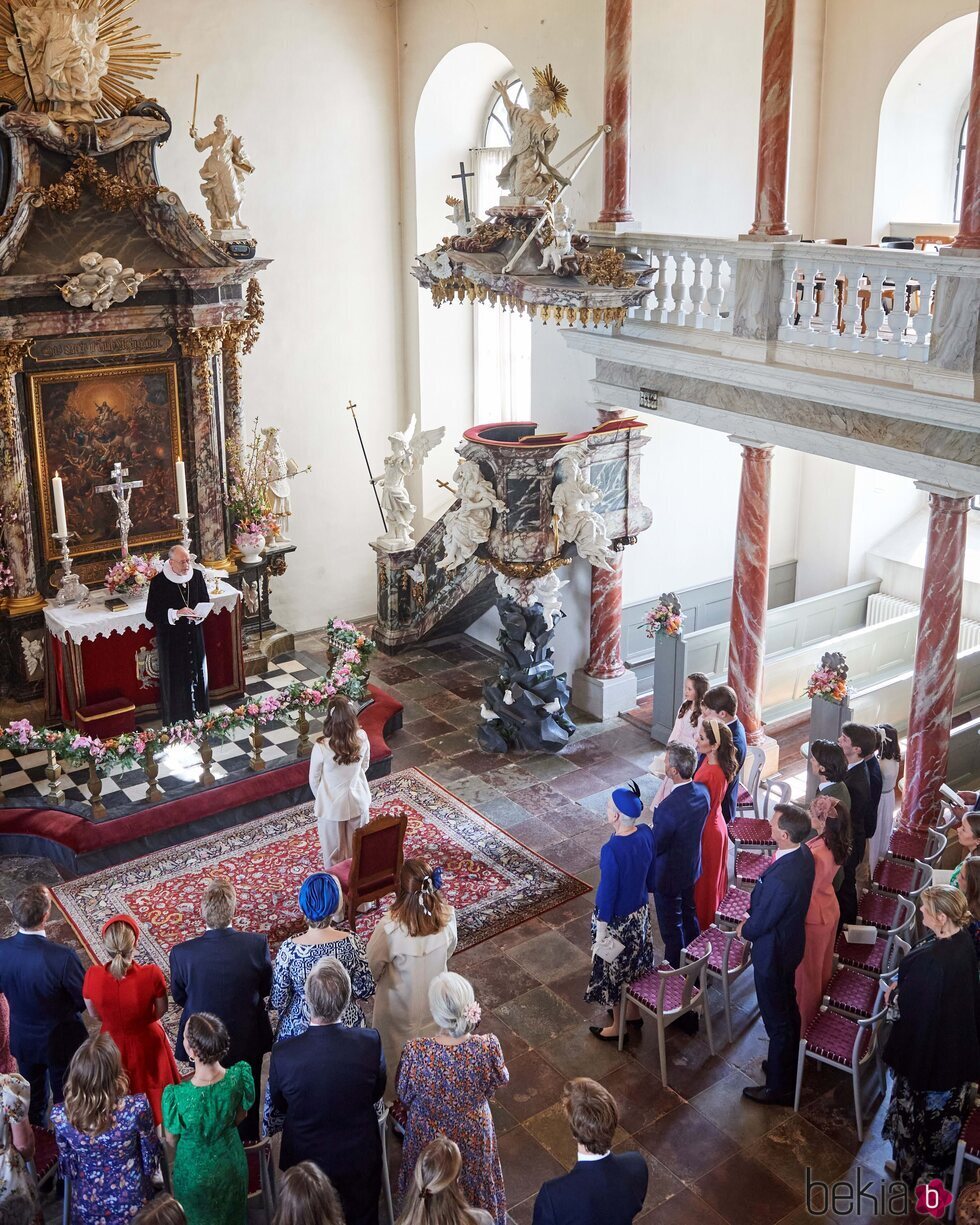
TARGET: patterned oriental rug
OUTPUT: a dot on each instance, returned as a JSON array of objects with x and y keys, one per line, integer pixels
[{"x": 492, "y": 880}]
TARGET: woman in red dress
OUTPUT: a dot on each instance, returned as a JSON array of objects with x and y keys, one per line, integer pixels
[
  {"x": 717, "y": 769},
  {"x": 830, "y": 848},
  {"x": 129, "y": 1000}
]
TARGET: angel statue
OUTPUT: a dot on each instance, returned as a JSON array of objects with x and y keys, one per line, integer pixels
[
  {"x": 276, "y": 472},
  {"x": 224, "y": 175},
  {"x": 468, "y": 525},
  {"x": 529, "y": 174},
  {"x": 560, "y": 247},
  {"x": 573, "y": 501},
  {"x": 59, "y": 46},
  {"x": 408, "y": 451}
]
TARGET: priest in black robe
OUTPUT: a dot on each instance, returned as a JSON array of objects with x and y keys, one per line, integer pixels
[{"x": 176, "y": 604}]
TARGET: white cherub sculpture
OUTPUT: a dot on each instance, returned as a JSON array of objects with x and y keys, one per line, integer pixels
[
  {"x": 468, "y": 525},
  {"x": 573, "y": 500},
  {"x": 408, "y": 451},
  {"x": 101, "y": 282},
  {"x": 560, "y": 246}
]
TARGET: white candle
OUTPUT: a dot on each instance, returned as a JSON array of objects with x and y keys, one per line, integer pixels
[
  {"x": 181, "y": 488},
  {"x": 57, "y": 489}
]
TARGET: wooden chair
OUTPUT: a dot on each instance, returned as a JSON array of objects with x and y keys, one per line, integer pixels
[
  {"x": 667, "y": 995},
  {"x": 728, "y": 959},
  {"x": 372, "y": 871},
  {"x": 262, "y": 1176}
]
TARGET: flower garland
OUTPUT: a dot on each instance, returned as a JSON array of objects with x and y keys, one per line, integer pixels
[
  {"x": 665, "y": 617},
  {"x": 347, "y": 648},
  {"x": 829, "y": 681}
]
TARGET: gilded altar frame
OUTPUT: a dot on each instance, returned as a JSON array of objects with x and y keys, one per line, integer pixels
[{"x": 83, "y": 421}]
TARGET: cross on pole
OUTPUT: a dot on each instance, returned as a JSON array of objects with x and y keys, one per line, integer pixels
[{"x": 463, "y": 175}]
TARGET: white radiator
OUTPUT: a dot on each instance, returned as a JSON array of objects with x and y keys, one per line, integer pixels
[
  {"x": 884, "y": 607},
  {"x": 969, "y": 635}
]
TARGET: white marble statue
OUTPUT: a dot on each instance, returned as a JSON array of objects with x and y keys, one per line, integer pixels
[
  {"x": 101, "y": 282},
  {"x": 528, "y": 175},
  {"x": 468, "y": 525},
  {"x": 560, "y": 246},
  {"x": 65, "y": 57},
  {"x": 276, "y": 471},
  {"x": 525, "y": 592},
  {"x": 223, "y": 177},
  {"x": 573, "y": 501},
  {"x": 408, "y": 451}
]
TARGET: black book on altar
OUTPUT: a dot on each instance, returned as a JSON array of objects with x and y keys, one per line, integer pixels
[{"x": 115, "y": 602}]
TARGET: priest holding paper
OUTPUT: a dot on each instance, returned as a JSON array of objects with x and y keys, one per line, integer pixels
[{"x": 176, "y": 605}]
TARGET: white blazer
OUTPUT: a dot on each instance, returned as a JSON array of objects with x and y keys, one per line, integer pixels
[{"x": 341, "y": 793}]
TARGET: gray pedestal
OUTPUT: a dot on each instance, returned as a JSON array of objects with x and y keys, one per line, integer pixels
[
  {"x": 669, "y": 671},
  {"x": 826, "y": 720}
]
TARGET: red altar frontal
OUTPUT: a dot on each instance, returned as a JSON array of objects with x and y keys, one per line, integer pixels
[{"x": 94, "y": 655}]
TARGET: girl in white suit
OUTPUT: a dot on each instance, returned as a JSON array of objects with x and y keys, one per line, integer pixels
[{"x": 338, "y": 780}]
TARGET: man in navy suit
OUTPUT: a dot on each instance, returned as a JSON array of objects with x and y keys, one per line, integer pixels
[
  {"x": 325, "y": 1082},
  {"x": 776, "y": 925},
  {"x": 858, "y": 743},
  {"x": 602, "y": 1186},
  {"x": 42, "y": 981},
  {"x": 721, "y": 703},
  {"x": 228, "y": 973},
  {"x": 677, "y": 828}
]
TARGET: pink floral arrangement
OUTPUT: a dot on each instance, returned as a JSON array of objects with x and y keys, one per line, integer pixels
[
  {"x": 665, "y": 617},
  {"x": 829, "y": 681},
  {"x": 131, "y": 575},
  {"x": 263, "y": 525}
]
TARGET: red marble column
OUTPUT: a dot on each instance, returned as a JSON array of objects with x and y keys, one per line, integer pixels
[
  {"x": 777, "y": 82},
  {"x": 969, "y": 235},
  {"x": 605, "y": 623},
  {"x": 750, "y": 588},
  {"x": 616, "y": 153},
  {"x": 934, "y": 677}
]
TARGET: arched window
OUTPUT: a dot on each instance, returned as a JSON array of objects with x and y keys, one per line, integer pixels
[
  {"x": 960, "y": 154},
  {"x": 497, "y": 132}
]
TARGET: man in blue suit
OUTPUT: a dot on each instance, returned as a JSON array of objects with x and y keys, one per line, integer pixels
[
  {"x": 325, "y": 1083},
  {"x": 721, "y": 703},
  {"x": 677, "y": 828},
  {"x": 228, "y": 973},
  {"x": 603, "y": 1185},
  {"x": 776, "y": 925},
  {"x": 42, "y": 981}
]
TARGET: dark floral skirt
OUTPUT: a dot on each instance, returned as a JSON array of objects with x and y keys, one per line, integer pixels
[
  {"x": 607, "y": 977},
  {"x": 923, "y": 1128}
]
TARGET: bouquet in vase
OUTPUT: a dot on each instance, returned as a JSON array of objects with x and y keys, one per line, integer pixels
[
  {"x": 131, "y": 576},
  {"x": 665, "y": 617},
  {"x": 829, "y": 681}
]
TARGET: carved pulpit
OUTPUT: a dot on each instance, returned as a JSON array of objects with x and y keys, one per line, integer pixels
[{"x": 138, "y": 366}]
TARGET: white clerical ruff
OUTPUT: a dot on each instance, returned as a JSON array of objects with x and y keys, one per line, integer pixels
[{"x": 182, "y": 581}]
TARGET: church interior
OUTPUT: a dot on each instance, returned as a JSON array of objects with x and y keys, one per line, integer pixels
[{"x": 553, "y": 619}]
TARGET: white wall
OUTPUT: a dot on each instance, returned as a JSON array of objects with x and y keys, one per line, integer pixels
[{"x": 311, "y": 86}]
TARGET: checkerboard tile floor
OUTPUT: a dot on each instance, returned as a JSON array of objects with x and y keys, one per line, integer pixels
[{"x": 22, "y": 778}]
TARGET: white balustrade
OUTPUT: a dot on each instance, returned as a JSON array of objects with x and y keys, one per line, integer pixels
[{"x": 861, "y": 300}]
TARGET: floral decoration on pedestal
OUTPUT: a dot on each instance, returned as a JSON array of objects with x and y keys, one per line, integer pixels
[
  {"x": 130, "y": 577},
  {"x": 251, "y": 515},
  {"x": 829, "y": 681},
  {"x": 665, "y": 617}
]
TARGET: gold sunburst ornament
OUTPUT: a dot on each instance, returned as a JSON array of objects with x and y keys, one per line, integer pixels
[
  {"x": 546, "y": 80},
  {"x": 74, "y": 59}
]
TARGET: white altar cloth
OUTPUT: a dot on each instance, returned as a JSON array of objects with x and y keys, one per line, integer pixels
[{"x": 97, "y": 621}]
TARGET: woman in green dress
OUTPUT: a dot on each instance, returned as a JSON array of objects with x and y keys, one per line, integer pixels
[{"x": 201, "y": 1115}]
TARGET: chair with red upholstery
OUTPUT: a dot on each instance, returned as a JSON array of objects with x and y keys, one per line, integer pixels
[
  {"x": 902, "y": 879},
  {"x": 751, "y": 831},
  {"x": 728, "y": 959},
  {"x": 967, "y": 1149},
  {"x": 733, "y": 907},
  {"x": 666, "y": 995},
  {"x": 44, "y": 1167},
  {"x": 853, "y": 992},
  {"x": 372, "y": 872},
  {"x": 848, "y": 1043},
  {"x": 916, "y": 845},
  {"x": 892, "y": 916},
  {"x": 262, "y": 1175},
  {"x": 749, "y": 865}
]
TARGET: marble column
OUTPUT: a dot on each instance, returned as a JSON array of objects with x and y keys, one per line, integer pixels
[
  {"x": 969, "y": 236},
  {"x": 605, "y": 623},
  {"x": 200, "y": 346},
  {"x": 616, "y": 153},
  {"x": 934, "y": 674},
  {"x": 16, "y": 483},
  {"x": 750, "y": 587},
  {"x": 777, "y": 80}
]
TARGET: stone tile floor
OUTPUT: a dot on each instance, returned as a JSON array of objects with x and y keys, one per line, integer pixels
[{"x": 712, "y": 1156}]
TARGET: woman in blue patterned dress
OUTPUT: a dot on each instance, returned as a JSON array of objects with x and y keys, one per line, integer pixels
[
  {"x": 445, "y": 1084},
  {"x": 107, "y": 1141}
]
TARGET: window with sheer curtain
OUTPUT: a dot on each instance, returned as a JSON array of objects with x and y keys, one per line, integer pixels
[
  {"x": 501, "y": 339},
  {"x": 960, "y": 154}
]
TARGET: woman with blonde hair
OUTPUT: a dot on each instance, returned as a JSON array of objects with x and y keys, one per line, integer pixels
[
  {"x": 161, "y": 1210},
  {"x": 445, "y": 1084},
  {"x": 410, "y": 946},
  {"x": 338, "y": 780},
  {"x": 307, "y": 1197},
  {"x": 107, "y": 1144},
  {"x": 129, "y": 999},
  {"x": 718, "y": 767},
  {"x": 434, "y": 1197}
]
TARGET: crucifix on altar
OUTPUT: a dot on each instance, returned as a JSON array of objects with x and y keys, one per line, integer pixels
[
  {"x": 463, "y": 175},
  {"x": 121, "y": 491}
]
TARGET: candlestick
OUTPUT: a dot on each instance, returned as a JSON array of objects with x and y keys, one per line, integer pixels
[
  {"x": 183, "y": 520},
  {"x": 58, "y": 492},
  {"x": 181, "y": 488},
  {"x": 71, "y": 589}
]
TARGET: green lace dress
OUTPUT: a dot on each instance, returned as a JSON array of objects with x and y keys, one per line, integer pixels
[{"x": 210, "y": 1173}]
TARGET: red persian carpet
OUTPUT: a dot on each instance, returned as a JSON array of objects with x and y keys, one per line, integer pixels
[{"x": 492, "y": 880}]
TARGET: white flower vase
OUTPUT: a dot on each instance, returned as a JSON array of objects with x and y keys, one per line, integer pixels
[{"x": 250, "y": 545}]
